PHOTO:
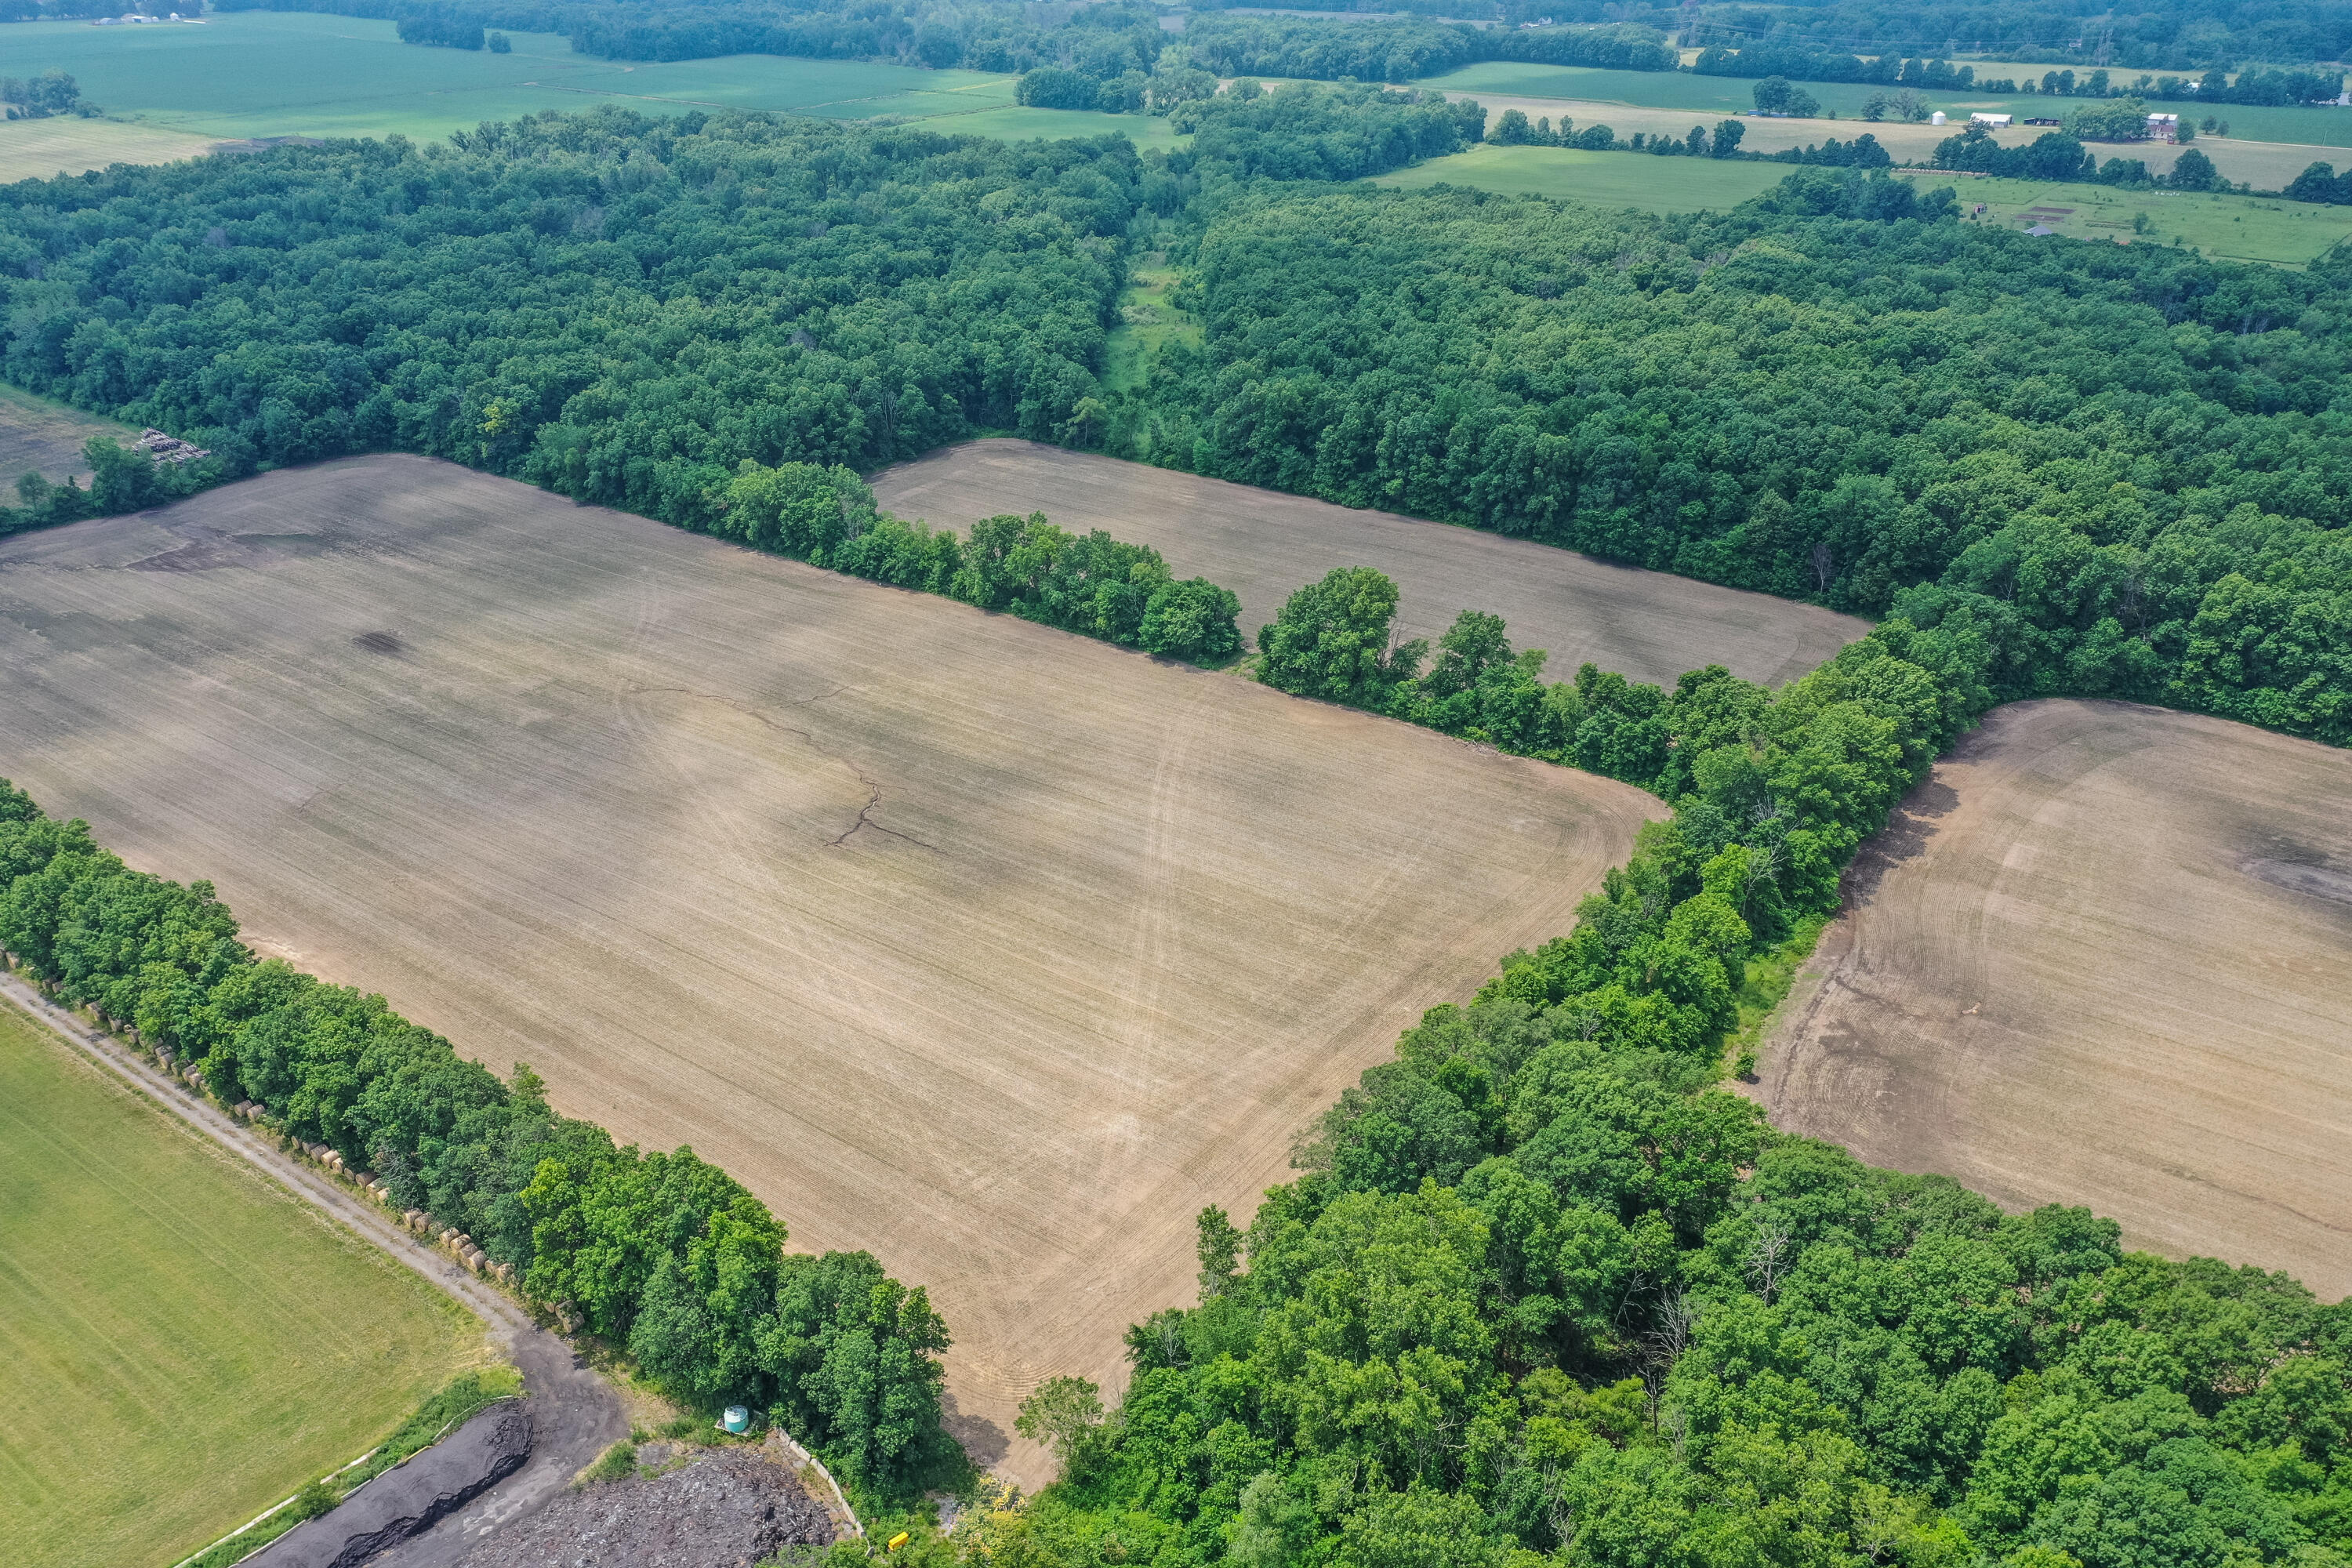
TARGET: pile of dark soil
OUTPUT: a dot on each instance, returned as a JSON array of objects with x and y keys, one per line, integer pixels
[{"x": 725, "y": 1508}]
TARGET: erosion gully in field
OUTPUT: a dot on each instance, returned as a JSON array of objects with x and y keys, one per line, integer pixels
[
  {"x": 1264, "y": 544},
  {"x": 995, "y": 950},
  {"x": 2104, "y": 956}
]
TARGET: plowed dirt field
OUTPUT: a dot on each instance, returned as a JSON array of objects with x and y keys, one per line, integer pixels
[
  {"x": 2104, "y": 956},
  {"x": 994, "y": 950},
  {"x": 1264, "y": 544}
]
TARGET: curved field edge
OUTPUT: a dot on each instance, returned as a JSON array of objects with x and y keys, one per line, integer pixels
[
  {"x": 2102, "y": 955},
  {"x": 167, "y": 1313}
]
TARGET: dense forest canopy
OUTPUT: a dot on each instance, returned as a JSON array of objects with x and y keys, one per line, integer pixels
[
  {"x": 2127, "y": 448},
  {"x": 628, "y": 309}
]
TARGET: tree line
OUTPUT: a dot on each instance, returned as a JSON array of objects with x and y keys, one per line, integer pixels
[
  {"x": 1805, "y": 65},
  {"x": 1542, "y": 1292},
  {"x": 1400, "y": 49},
  {"x": 1092, "y": 584},
  {"x": 661, "y": 1254},
  {"x": 2270, "y": 86},
  {"x": 2127, "y": 455},
  {"x": 1513, "y": 128},
  {"x": 2179, "y": 34},
  {"x": 2055, "y": 156}
]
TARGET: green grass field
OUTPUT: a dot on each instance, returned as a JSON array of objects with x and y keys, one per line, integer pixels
[
  {"x": 1730, "y": 95},
  {"x": 1605, "y": 179},
  {"x": 259, "y": 73},
  {"x": 181, "y": 1341},
  {"x": 37, "y": 149},
  {"x": 2230, "y": 228}
]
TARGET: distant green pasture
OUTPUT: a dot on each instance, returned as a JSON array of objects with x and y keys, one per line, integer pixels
[
  {"x": 256, "y": 73},
  {"x": 2228, "y": 228},
  {"x": 1605, "y": 179}
]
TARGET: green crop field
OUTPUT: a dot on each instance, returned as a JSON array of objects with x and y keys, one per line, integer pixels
[
  {"x": 181, "y": 1341},
  {"x": 1605, "y": 178},
  {"x": 258, "y": 73}
]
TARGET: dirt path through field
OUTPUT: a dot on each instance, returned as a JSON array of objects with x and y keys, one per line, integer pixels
[
  {"x": 990, "y": 949},
  {"x": 2104, "y": 956},
  {"x": 1264, "y": 544}
]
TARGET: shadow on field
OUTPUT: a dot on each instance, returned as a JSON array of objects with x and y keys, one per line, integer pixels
[
  {"x": 981, "y": 1438},
  {"x": 1904, "y": 838}
]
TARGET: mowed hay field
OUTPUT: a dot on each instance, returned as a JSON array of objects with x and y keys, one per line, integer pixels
[
  {"x": 1603, "y": 179},
  {"x": 183, "y": 1342},
  {"x": 2104, "y": 956},
  {"x": 1264, "y": 546},
  {"x": 994, "y": 950},
  {"x": 40, "y": 148}
]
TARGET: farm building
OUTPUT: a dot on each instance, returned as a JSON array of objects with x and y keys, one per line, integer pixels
[
  {"x": 1980, "y": 118},
  {"x": 2164, "y": 127}
]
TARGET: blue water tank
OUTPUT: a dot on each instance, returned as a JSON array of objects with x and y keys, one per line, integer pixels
[{"x": 737, "y": 1419}]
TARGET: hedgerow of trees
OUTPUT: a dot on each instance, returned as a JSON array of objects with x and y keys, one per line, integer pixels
[
  {"x": 662, "y": 1254},
  {"x": 1092, "y": 584}
]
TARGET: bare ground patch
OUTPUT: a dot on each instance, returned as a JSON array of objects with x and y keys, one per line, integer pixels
[
  {"x": 1264, "y": 544},
  {"x": 2104, "y": 956},
  {"x": 37, "y": 436},
  {"x": 992, "y": 950}
]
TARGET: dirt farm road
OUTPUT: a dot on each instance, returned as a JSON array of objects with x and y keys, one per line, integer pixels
[{"x": 575, "y": 1413}]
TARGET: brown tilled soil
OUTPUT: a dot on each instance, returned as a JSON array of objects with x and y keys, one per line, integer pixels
[
  {"x": 996, "y": 951},
  {"x": 2104, "y": 957},
  {"x": 1264, "y": 546}
]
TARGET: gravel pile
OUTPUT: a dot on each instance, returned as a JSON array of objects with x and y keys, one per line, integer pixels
[{"x": 725, "y": 1508}]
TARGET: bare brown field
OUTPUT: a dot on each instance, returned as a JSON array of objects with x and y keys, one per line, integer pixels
[
  {"x": 2104, "y": 956},
  {"x": 1264, "y": 546},
  {"x": 37, "y": 436},
  {"x": 992, "y": 950}
]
